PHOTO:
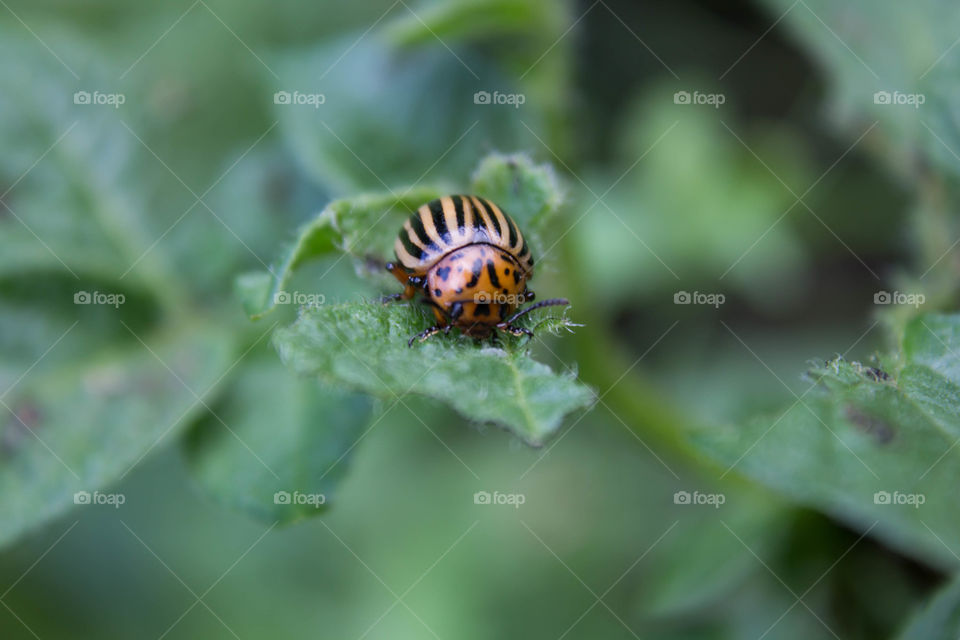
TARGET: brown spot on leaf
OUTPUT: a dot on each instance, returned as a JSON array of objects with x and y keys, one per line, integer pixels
[
  {"x": 875, "y": 374},
  {"x": 880, "y": 429},
  {"x": 25, "y": 418}
]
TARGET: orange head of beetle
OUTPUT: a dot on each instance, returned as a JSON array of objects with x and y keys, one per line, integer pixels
[{"x": 476, "y": 287}]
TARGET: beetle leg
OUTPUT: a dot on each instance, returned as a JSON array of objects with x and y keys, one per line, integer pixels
[
  {"x": 390, "y": 298},
  {"x": 450, "y": 317},
  {"x": 517, "y": 331},
  {"x": 423, "y": 335},
  {"x": 410, "y": 283},
  {"x": 456, "y": 310},
  {"x": 397, "y": 272}
]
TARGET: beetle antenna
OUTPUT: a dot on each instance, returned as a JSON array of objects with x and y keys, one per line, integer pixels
[{"x": 552, "y": 302}]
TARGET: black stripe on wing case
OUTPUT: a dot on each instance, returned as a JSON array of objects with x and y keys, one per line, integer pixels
[
  {"x": 408, "y": 244},
  {"x": 439, "y": 220},
  {"x": 461, "y": 216},
  {"x": 417, "y": 224}
]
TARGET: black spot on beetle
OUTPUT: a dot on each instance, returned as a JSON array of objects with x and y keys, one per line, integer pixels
[
  {"x": 459, "y": 289},
  {"x": 475, "y": 274},
  {"x": 881, "y": 431},
  {"x": 482, "y": 309},
  {"x": 516, "y": 277},
  {"x": 492, "y": 272},
  {"x": 506, "y": 271},
  {"x": 443, "y": 272},
  {"x": 437, "y": 292}
]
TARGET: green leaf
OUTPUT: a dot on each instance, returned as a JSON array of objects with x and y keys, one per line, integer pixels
[
  {"x": 259, "y": 197},
  {"x": 344, "y": 344},
  {"x": 363, "y": 226},
  {"x": 68, "y": 200},
  {"x": 87, "y": 400},
  {"x": 364, "y": 346},
  {"x": 80, "y": 428},
  {"x": 278, "y": 434},
  {"x": 869, "y": 447},
  {"x": 701, "y": 561},
  {"x": 474, "y": 19},
  {"x": 866, "y": 47},
  {"x": 941, "y": 618},
  {"x": 529, "y": 192},
  {"x": 375, "y": 97},
  {"x": 657, "y": 224}
]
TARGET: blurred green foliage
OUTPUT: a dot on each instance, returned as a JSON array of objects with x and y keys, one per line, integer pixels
[{"x": 798, "y": 199}]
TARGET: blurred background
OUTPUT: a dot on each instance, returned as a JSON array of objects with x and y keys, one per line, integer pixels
[{"x": 716, "y": 149}]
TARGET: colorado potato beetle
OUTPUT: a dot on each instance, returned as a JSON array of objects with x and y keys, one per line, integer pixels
[{"x": 472, "y": 264}]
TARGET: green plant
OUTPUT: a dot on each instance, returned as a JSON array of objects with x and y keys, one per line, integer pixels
[{"x": 837, "y": 506}]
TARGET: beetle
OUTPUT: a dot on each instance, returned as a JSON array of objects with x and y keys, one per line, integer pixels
[{"x": 471, "y": 263}]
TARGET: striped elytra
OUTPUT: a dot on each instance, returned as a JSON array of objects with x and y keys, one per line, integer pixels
[
  {"x": 471, "y": 263},
  {"x": 449, "y": 223}
]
